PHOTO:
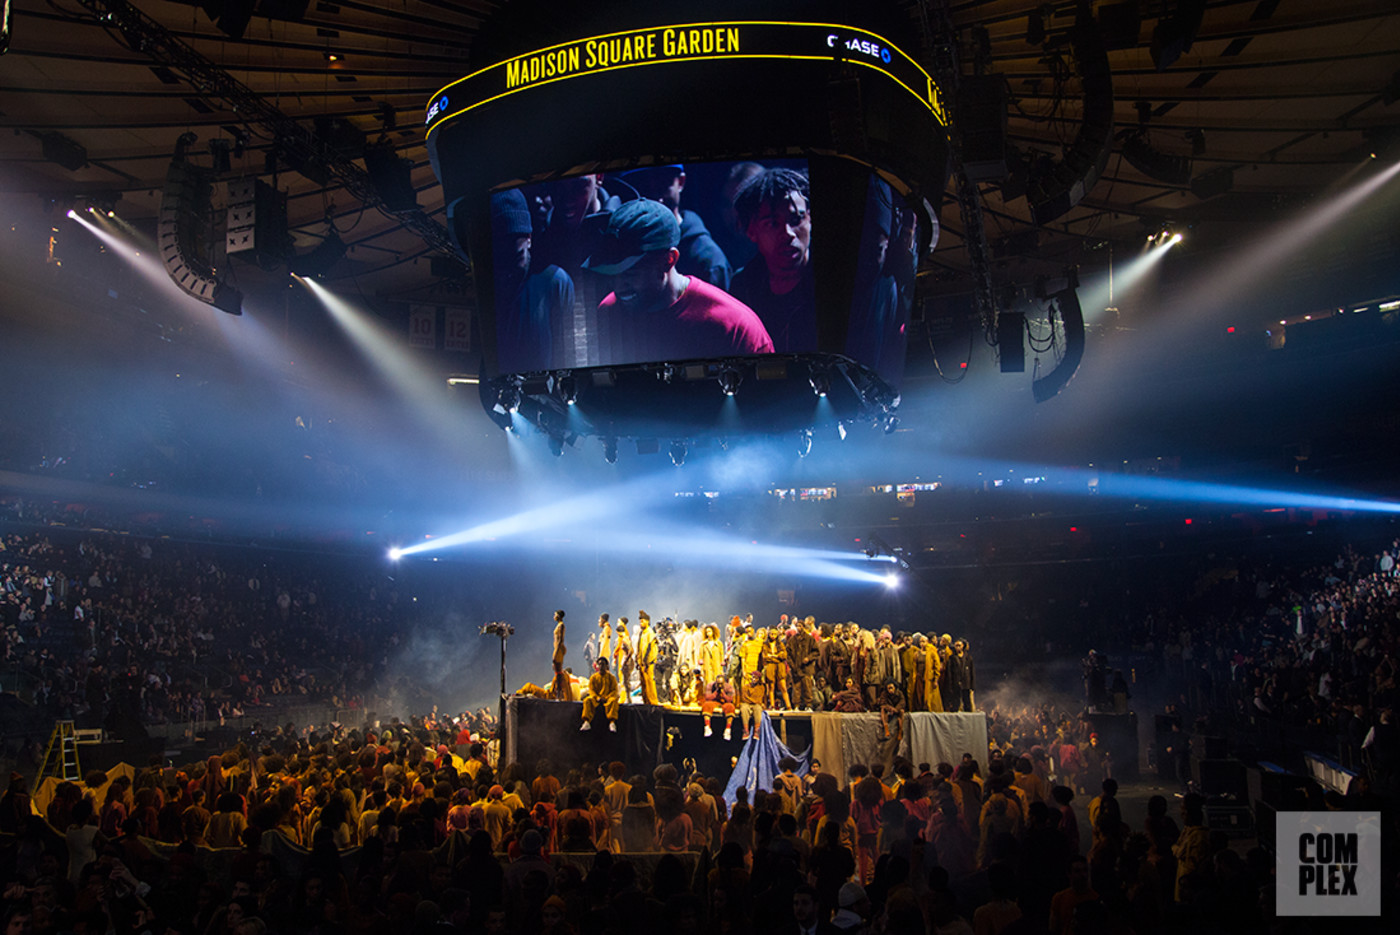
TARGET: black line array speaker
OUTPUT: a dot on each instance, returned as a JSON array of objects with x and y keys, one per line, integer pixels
[
  {"x": 1011, "y": 341},
  {"x": 257, "y": 220},
  {"x": 1072, "y": 317},
  {"x": 391, "y": 177},
  {"x": 1153, "y": 163},
  {"x": 1053, "y": 193},
  {"x": 1120, "y": 23},
  {"x": 183, "y": 237},
  {"x": 981, "y": 121}
]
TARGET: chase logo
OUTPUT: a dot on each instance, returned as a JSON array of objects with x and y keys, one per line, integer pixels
[
  {"x": 863, "y": 46},
  {"x": 1329, "y": 864},
  {"x": 438, "y": 107}
]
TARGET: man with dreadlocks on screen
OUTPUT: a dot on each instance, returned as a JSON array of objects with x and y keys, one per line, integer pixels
[{"x": 774, "y": 212}]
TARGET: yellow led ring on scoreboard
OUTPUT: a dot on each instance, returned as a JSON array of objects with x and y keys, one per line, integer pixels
[{"x": 691, "y": 42}]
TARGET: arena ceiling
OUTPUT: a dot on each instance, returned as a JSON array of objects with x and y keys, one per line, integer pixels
[{"x": 1289, "y": 94}]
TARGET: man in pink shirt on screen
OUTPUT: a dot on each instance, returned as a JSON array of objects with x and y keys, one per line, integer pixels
[{"x": 654, "y": 312}]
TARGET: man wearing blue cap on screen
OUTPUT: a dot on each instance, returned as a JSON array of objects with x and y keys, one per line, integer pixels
[
  {"x": 656, "y": 313},
  {"x": 700, "y": 255}
]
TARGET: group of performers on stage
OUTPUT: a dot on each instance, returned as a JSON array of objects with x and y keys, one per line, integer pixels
[{"x": 744, "y": 670}]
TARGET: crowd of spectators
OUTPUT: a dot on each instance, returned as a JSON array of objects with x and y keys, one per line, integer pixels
[
  {"x": 374, "y": 831},
  {"x": 107, "y": 629},
  {"x": 368, "y": 830},
  {"x": 1290, "y": 657}
]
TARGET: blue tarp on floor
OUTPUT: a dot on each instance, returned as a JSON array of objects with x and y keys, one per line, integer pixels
[{"x": 758, "y": 762}]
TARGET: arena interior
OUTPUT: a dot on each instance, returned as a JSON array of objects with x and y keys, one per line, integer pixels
[{"x": 445, "y": 487}]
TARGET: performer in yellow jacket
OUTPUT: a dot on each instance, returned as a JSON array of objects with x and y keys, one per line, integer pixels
[
  {"x": 711, "y": 654},
  {"x": 750, "y": 681},
  {"x": 604, "y": 637},
  {"x": 933, "y": 671},
  {"x": 646, "y": 658},
  {"x": 602, "y": 690}
]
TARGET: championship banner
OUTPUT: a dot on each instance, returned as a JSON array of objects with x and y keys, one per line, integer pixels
[
  {"x": 692, "y": 42},
  {"x": 457, "y": 330},
  {"x": 422, "y": 326}
]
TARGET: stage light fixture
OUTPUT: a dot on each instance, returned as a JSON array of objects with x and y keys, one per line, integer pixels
[
  {"x": 821, "y": 383},
  {"x": 891, "y": 580},
  {"x": 556, "y": 446},
  {"x": 891, "y": 424},
  {"x": 395, "y": 554},
  {"x": 321, "y": 258},
  {"x": 185, "y": 141},
  {"x": 729, "y": 380},
  {"x": 567, "y": 388},
  {"x": 678, "y": 452},
  {"x": 66, "y": 152},
  {"x": 509, "y": 397},
  {"x": 804, "y": 443},
  {"x": 610, "y": 450}
]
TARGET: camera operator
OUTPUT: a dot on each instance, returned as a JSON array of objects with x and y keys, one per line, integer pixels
[{"x": 667, "y": 658}]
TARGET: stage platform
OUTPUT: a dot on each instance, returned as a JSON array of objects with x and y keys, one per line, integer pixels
[{"x": 648, "y": 735}]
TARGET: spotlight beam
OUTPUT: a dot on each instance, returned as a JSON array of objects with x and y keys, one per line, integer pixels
[
  {"x": 575, "y": 519},
  {"x": 379, "y": 347},
  {"x": 709, "y": 551},
  {"x": 583, "y": 508},
  {"x": 1094, "y": 295},
  {"x": 1238, "y": 274},
  {"x": 1183, "y": 491},
  {"x": 147, "y": 264},
  {"x": 1174, "y": 490}
]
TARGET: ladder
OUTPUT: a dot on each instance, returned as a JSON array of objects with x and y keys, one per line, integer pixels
[{"x": 61, "y": 759}]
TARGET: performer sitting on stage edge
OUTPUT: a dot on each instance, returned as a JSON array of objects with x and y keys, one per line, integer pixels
[
  {"x": 602, "y": 690},
  {"x": 892, "y": 708},
  {"x": 719, "y": 697}
]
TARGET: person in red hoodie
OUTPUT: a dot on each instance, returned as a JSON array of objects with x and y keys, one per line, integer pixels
[{"x": 718, "y": 698}]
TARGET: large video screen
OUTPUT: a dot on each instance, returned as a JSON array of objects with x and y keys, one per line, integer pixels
[
  {"x": 661, "y": 263},
  {"x": 883, "y": 291}
]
